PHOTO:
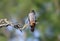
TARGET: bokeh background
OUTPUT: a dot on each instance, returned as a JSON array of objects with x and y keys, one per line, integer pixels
[{"x": 48, "y": 17}]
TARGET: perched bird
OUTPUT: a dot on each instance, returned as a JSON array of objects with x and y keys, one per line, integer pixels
[{"x": 32, "y": 20}]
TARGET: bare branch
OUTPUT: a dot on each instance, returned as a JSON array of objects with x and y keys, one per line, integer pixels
[
  {"x": 7, "y": 23},
  {"x": 24, "y": 27}
]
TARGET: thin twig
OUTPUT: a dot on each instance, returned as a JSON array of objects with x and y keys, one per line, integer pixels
[{"x": 10, "y": 23}]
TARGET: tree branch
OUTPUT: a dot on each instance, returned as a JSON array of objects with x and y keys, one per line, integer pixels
[{"x": 7, "y": 23}]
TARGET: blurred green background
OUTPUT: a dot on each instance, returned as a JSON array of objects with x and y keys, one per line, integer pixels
[{"x": 49, "y": 16}]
